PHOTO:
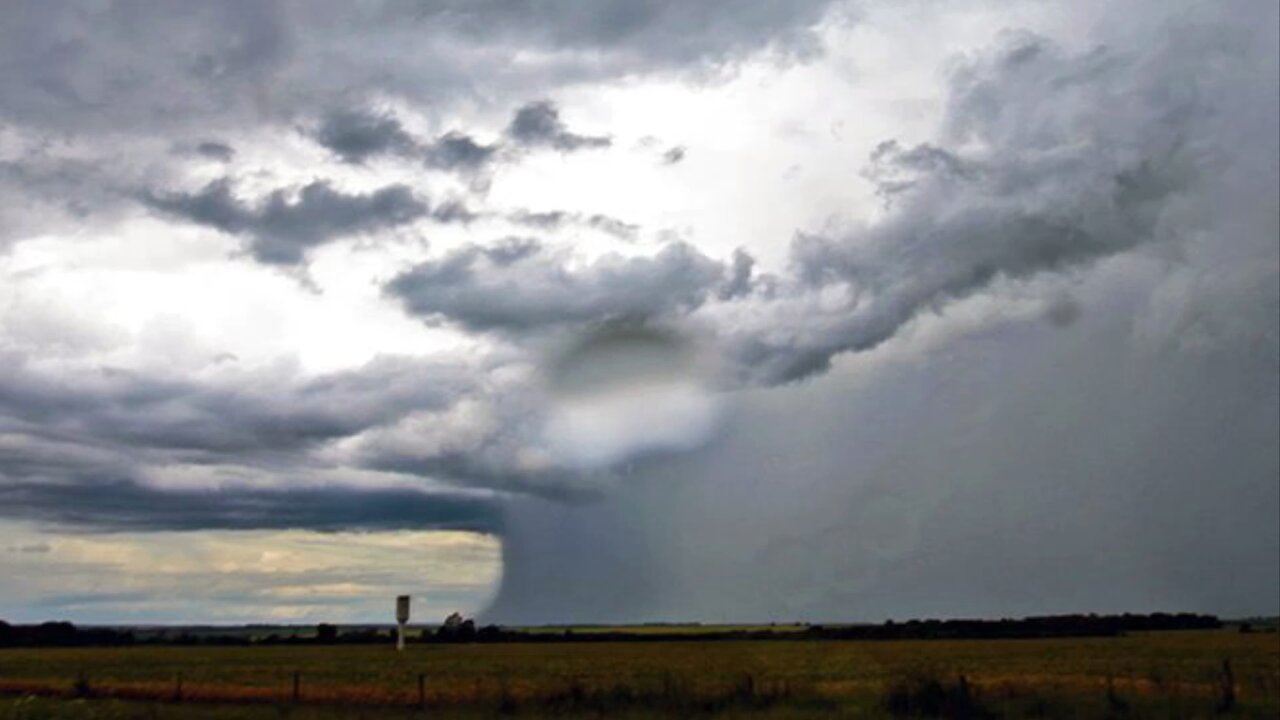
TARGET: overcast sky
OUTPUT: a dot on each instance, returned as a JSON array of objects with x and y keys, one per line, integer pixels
[{"x": 555, "y": 311}]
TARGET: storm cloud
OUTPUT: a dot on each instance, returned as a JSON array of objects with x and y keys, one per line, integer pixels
[
  {"x": 254, "y": 450},
  {"x": 1021, "y": 205},
  {"x": 985, "y": 327},
  {"x": 153, "y": 66},
  {"x": 359, "y": 136},
  {"x": 1005, "y": 206},
  {"x": 525, "y": 286},
  {"x": 356, "y": 136},
  {"x": 1025, "y": 466},
  {"x": 538, "y": 124},
  {"x": 244, "y": 412},
  {"x": 283, "y": 226},
  {"x": 114, "y": 505}
]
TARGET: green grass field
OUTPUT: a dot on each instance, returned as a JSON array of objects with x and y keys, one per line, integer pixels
[{"x": 1167, "y": 674}]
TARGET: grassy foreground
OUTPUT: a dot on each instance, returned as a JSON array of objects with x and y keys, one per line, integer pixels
[{"x": 1166, "y": 674}]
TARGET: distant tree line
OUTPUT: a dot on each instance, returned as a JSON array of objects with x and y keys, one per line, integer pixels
[
  {"x": 1032, "y": 627},
  {"x": 457, "y": 629},
  {"x": 60, "y": 634}
]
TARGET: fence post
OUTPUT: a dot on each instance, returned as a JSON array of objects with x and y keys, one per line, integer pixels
[
  {"x": 177, "y": 688},
  {"x": 1226, "y": 689},
  {"x": 422, "y": 690},
  {"x": 297, "y": 686},
  {"x": 80, "y": 688}
]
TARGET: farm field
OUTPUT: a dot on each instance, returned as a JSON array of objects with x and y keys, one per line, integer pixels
[
  {"x": 1165, "y": 674},
  {"x": 663, "y": 628}
]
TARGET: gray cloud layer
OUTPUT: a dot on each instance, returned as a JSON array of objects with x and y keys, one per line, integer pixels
[
  {"x": 147, "y": 64},
  {"x": 357, "y": 136},
  {"x": 97, "y": 439},
  {"x": 1123, "y": 457},
  {"x": 538, "y": 124},
  {"x": 1127, "y": 428},
  {"x": 117, "y": 505},
  {"x": 360, "y": 136},
  {"x": 1022, "y": 204},
  {"x": 1014, "y": 203},
  {"x": 282, "y": 228},
  {"x": 249, "y": 412},
  {"x": 128, "y": 73},
  {"x": 522, "y": 285}
]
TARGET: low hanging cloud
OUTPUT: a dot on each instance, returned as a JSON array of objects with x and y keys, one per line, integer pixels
[
  {"x": 214, "y": 150},
  {"x": 283, "y": 227},
  {"x": 117, "y": 505},
  {"x": 459, "y": 152},
  {"x": 523, "y": 285},
  {"x": 358, "y": 136},
  {"x": 251, "y": 449},
  {"x": 538, "y": 125},
  {"x": 237, "y": 415}
]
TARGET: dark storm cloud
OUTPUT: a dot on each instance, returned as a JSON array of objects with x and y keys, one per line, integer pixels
[
  {"x": 75, "y": 451},
  {"x": 1063, "y": 311},
  {"x": 538, "y": 124},
  {"x": 487, "y": 468},
  {"x": 117, "y": 505},
  {"x": 139, "y": 65},
  {"x": 265, "y": 412},
  {"x": 358, "y": 136},
  {"x": 283, "y": 227},
  {"x": 138, "y": 72},
  {"x": 216, "y": 151},
  {"x": 136, "y": 64},
  {"x": 991, "y": 202},
  {"x": 740, "y": 279},
  {"x": 1129, "y": 450},
  {"x": 535, "y": 288},
  {"x": 1121, "y": 456},
  {"x": 458, "y": 151},
  {"x": 1024, "y": 204},
  {"x": 1100, "y": 476},
  {"x": 657, "y": 34}
]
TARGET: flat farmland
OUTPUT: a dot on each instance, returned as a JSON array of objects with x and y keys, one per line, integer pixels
[{"x": 1162, "y": 674}]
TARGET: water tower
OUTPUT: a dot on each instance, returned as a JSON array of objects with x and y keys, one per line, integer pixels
[{"x": 402, "y": 617}]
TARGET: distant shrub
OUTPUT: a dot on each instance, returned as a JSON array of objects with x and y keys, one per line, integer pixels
[
  {"x": 80, "y": 688},
  {"x": 1226, "y": 689},
  {"x": 926, "y": 695}
]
